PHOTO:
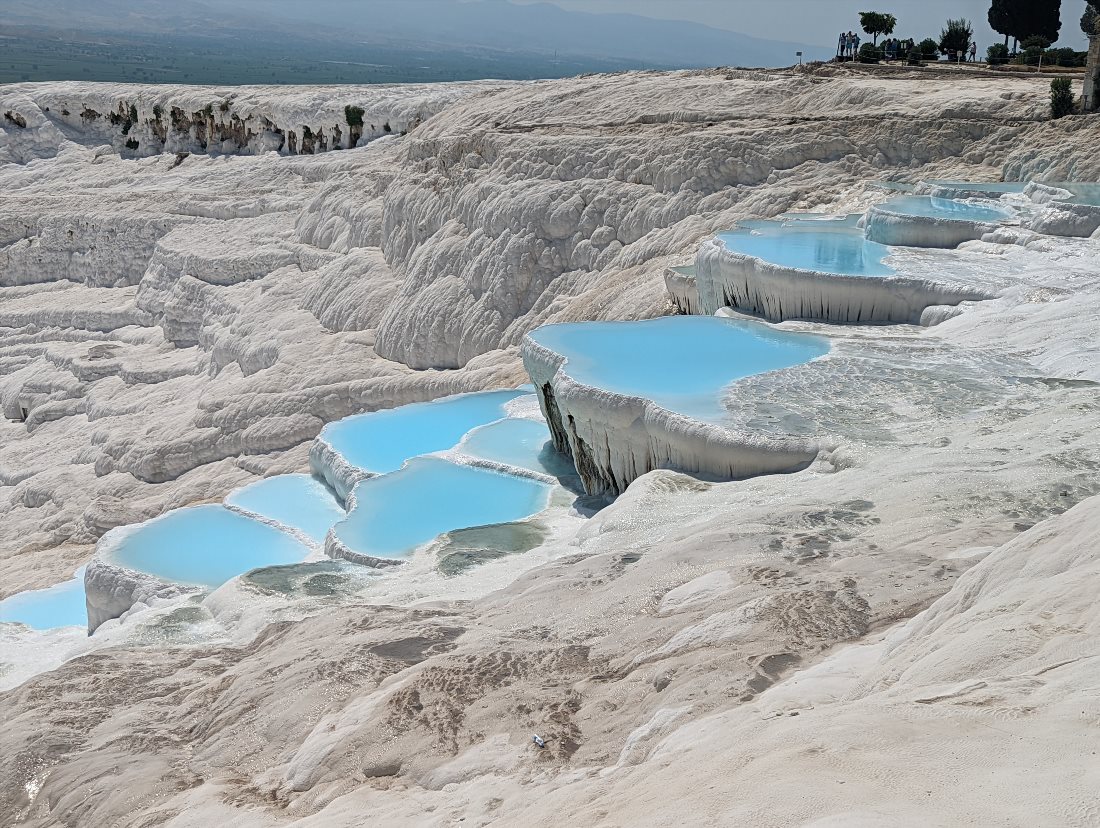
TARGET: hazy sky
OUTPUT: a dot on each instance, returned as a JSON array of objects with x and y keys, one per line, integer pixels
[{"x": 818, "y": 21}]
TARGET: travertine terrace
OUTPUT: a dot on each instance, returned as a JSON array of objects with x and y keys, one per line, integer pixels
[{"x": 904, "y": 632}]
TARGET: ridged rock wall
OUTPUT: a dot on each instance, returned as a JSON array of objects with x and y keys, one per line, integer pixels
[
  {"x": 729, "y": 279},
  {"x": 142, "y": 121},
  {"x": 895, "y": 229}
]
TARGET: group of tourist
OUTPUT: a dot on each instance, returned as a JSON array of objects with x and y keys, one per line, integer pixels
[
  {"x": 892, "y": 48},
  {"x": 848, "y": 47}
]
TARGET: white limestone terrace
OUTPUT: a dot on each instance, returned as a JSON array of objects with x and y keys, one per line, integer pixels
[
  {"x": 681, "y": 285},
  {"x": 141, "y": 121},
  {"x": 1064, "y": 209},
  {"x": 639, "y": 644},
  {"x": 434, "y": 249},
  {"x": 623, "y": 399},
  {"x": 932, "y": 221},
  {"x": 824, "y": 268}
]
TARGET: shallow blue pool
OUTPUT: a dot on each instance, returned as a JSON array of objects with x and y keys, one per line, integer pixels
[
  {"x": 398, "y": 512},
  {"x": 682, "y": 363},
  {"x": 382, "y": 441},
  {"x": 945, "y": 208},
  {"x": 46, "y": 609},
  {"x": 825, "y": 245},
  {"x": 206, "y": 546},
  {"x": 1083, "y": 193},
  {"x": 522, "y": 443},
  {"x": 996, "y": 187},
  {"x": 295, "y": 500}
]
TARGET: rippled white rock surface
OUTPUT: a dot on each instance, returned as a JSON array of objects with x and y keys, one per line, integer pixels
[{"x": 668, "y": 637}]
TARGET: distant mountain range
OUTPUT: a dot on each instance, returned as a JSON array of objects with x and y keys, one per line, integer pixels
[
  {"x": 543, "y": 27},
  {"x": 291, "y": 41}
]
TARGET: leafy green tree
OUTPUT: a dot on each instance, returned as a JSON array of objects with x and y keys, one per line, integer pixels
[
  {"x": 877, "y": 23},
  {"x": 955, "y": 39},
  {"x": 1090, "y": 20}
]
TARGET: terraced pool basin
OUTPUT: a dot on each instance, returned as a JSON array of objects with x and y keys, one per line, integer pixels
[
  {"x": 299, "y": 501},
  {"x": 810, "y": 243},
  {"x": 382, "y": 441},
  {"x": 945, "y": 208},
  {"x": 396, "y": 513},
  {"x": 62, "y": 605},
  {"x": 204, "y": 546},
  {"x": 682, "y": 363}
]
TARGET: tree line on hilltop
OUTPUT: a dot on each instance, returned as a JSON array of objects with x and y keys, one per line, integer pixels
[{"x": 1030, "y": 25}]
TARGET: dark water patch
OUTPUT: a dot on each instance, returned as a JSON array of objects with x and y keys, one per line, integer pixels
[
  {"x": 466, "y": 548},
  {"x": 321, "y": 579}
]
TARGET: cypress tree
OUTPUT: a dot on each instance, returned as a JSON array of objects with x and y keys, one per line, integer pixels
[
  {"x": 1002, "y": 17},
  {"x": 1021, "y": 19}
]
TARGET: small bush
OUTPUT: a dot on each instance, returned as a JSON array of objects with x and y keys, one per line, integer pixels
[
  {"x": 997, "y": 54},
  {"x": 1062, "y": 101},
  {"x": 869, "y": 53},
  {"x": 1035, "y": 42},
  {"x": 914, "y": 57},
  {"x": 353, "y": 115},
  {"x": 223, "y": 106},
  {"x": 1065, "y": 57},
  {"x": 929, "y": 49},
  {"x": 158, "y": 111}
]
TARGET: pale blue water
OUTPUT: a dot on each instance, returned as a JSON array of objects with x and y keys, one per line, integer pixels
[
  {"x": 206, "y": 546},
  {"x": 62, "y": 605},
  {"x": 997, "y": 187},
  {"x": 828, "y": 246},
  {"x": 523, "y": 443},
  {"x": 398, "y": 512},
  {"x": 382, "y": 441},
  {"x": 945, "y": 208},
  {"x": 1088, "y": 194},
  {"x": 295, "y": 500},
  {"x": 682, "y": 363}
]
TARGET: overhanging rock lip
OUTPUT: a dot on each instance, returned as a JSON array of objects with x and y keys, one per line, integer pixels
[
  {"x": 723, "y": 276},
  {"x": 111, "y": 590},
  {"x": 664, "y": 439}
]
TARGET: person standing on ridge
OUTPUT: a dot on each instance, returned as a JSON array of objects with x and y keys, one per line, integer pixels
[{"x": 973, "y": 52}]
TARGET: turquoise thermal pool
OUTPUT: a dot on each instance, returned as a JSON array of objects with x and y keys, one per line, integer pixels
[
  {"x": 992, "y": 187},
  {"x": 1083, "y": 193},
  {"x": 682, "y": 363},
  {"x": 382, "y": 441},
  {"x": 295, "y": 500},
  {"x": 521, "y": 443},
  {"x": 396, "y": 513},
  {"x": 945, "y": 208},
  {"x": 205, "y": 546},
  {"x": 818, "y": 244},
  {"x": 62, "y": 605}
]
